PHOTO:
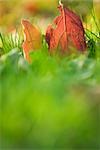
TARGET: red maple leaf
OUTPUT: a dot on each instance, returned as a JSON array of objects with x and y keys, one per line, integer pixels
[{"x": 68, "y": 28}]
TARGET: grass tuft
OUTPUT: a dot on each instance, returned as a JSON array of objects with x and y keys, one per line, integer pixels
[{"x": 10, "y": 41}]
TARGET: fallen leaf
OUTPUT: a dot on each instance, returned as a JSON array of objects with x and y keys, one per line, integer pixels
[
  {"x": 68, "y": 27},
  {"x": 32, "y": 38}
]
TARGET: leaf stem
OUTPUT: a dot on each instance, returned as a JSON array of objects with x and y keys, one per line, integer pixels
[{"x": 60, "y": 3}]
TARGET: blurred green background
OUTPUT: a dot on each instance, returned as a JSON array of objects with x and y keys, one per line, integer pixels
[
  {"x": 55, "y": 101},
  {"x": 41, "y": 12}
]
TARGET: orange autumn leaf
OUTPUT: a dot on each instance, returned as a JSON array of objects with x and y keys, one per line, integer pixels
[
  {"x": 68, "y": 29},
  {"x": 32, "y": 38}
]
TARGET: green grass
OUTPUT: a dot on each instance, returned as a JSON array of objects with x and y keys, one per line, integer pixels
[{"x": 54, "y": 102}]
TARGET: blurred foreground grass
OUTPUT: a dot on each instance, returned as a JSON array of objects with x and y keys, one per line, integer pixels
[{"x": 52, "y": 103}]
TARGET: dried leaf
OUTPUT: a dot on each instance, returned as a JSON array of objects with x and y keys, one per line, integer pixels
[
  {"x": 32, "y": 38},
  {"x": 68, "y": 28}
]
